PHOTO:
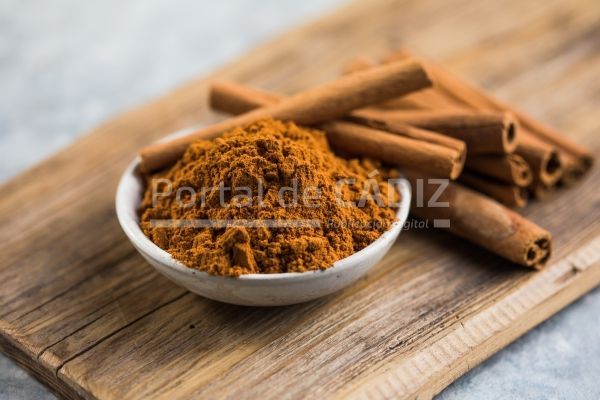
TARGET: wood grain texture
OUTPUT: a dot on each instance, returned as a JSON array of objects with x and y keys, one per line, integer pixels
[{"x": 84, "y": 313}]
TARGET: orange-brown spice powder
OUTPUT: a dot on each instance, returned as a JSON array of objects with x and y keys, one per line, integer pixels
[{"x": 265, "y": 157}]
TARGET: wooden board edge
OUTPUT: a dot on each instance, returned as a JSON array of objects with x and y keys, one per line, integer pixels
[
  {"x": 579, "y": 286},
  {"x": 28, "y": 361},
  {"x": 445, "y": 359},
  {"x": 425, "y": 374}
]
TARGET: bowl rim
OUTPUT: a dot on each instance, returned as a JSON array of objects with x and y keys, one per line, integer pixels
[{"x": 127, "y": 217}]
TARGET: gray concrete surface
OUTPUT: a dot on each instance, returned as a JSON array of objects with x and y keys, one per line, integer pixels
[{"x": 67, "y": 65}]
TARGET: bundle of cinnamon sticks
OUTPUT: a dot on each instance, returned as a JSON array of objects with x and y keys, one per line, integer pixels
[
  {"x": 415, "y": 115},
  {"x": 538, "y": 159}
]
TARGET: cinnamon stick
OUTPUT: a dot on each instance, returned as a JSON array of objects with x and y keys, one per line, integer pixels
[
  {"x": 483, "y": 221},
  {"x": 403, "y": 129},
  {"x": 424, "y": 100},
  {"x": 429, "y": 158},
  {"x": 233, "y": 98},
  {"x": 323, "y": 103},
  {"x": 483, "y": 132},
  {"x": 576, "y": 159},
  {"x": 552, "y": 156},
  {"x": 509, "y": 195},
  {"x": 543, "y": 159},
  {"x": 409, "y": 151},
  {"x": 511, "y": 169}
]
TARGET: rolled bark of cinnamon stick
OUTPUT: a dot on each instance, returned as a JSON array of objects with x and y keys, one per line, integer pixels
[
  {"x": 483, "y": 132},
  {"x": 576, "y": 159},
  {"x": 509, "y": 195},
  {"x": 540, "y": 155},
  {"x": 511, "y": 169},
  {"x": 426, "y": 97},
  {"x": 323, "y": 103},
  {"x": 405, "y": 152},
  {"x": 234, "y": 98},
  {"x": 546, "y": 148},
  {"x": 543, "y": 159},
  {"x": 484, "y": 221},
  {"x": 409, "y": 151},
  {"x": 406, "y": 130}
]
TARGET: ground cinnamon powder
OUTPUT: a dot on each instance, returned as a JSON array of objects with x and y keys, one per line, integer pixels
[{"x": 264, "y": 176}]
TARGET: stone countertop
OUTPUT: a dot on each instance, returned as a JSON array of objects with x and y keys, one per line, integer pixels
[{"x": 67, "y": 65}]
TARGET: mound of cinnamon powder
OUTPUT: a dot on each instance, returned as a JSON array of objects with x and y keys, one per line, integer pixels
[{"x": 268, "y": 198}]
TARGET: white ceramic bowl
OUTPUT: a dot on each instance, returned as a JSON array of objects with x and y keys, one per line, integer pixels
[{"x": 252, "y": 289}]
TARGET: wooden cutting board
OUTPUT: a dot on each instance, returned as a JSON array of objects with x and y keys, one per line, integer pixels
[{"x": 85, "y": 314}]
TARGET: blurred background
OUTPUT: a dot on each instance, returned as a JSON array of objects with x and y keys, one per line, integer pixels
[{"x": 67, "y": 65}]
